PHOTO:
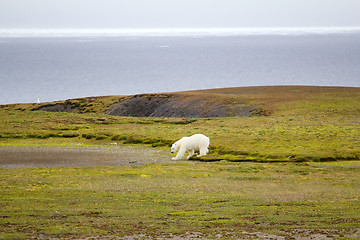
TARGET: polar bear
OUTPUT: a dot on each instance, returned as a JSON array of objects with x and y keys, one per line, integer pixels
[{"x": 195, "y": 143}]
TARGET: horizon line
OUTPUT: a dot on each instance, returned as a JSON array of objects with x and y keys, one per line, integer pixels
[{"x": 98, "y": 32}]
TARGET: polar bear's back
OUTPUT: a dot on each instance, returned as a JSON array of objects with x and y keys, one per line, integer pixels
[
  {"x": 198, "y": 141},
  {"x": 200, "y": 137}
]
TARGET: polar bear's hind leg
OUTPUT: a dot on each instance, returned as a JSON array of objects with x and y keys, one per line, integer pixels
[{"x": 203, "y": 152}]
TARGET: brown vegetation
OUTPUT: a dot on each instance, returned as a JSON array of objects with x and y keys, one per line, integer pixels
[{"x": 224, "y": 102}]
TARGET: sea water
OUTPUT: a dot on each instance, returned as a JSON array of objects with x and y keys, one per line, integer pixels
[{"x": 49, "y": 66}]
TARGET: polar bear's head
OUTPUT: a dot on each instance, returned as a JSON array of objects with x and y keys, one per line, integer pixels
[{"x": 175, "y": 147}]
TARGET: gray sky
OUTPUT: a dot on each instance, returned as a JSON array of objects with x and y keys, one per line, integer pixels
[{"x": 178, "y": 13}]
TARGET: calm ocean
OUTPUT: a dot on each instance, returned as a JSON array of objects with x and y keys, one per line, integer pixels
[{"x": 56, "y": 68}]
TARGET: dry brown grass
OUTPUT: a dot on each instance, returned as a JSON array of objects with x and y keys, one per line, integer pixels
[{"x": 274, "y": 97}]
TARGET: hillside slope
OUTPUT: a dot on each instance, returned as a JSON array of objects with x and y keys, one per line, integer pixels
[{"x": 225, "y": 102}]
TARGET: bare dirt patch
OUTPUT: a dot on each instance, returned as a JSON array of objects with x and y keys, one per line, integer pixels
[{"x": 12, "y": 157}]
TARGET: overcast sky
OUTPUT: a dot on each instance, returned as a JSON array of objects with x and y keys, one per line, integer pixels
[{"x": 178, "y": 13}]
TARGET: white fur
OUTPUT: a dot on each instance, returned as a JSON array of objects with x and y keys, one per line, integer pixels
[{"x": 195, "y": 143}]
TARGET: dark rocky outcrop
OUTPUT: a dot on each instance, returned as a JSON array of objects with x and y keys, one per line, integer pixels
[
  {"x": 181, "y": 105},
  {"x": 166, "y": 105},
  {"x": 58, "y": 107}
]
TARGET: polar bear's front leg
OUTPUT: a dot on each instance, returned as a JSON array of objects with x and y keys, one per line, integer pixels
[
  {"x": 180, "y": 154},
  {"x": 191, "y": 153}
]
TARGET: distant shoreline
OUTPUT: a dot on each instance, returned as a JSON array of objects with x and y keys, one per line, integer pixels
[{"x": 176, "y": 92}]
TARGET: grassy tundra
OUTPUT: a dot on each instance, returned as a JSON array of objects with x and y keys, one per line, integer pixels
[
  {"x": 291, "y": 169},
  {"x": 214, "y": 200},
  {"x": 290, "y": 123}
]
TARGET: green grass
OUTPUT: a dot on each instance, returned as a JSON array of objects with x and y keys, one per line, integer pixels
[
  {"x": 298, "y": 134},
  {"x": 162, "y": 199},
  {"x": 300, "y": 124},
  {"x": 294, "y": 170}
]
